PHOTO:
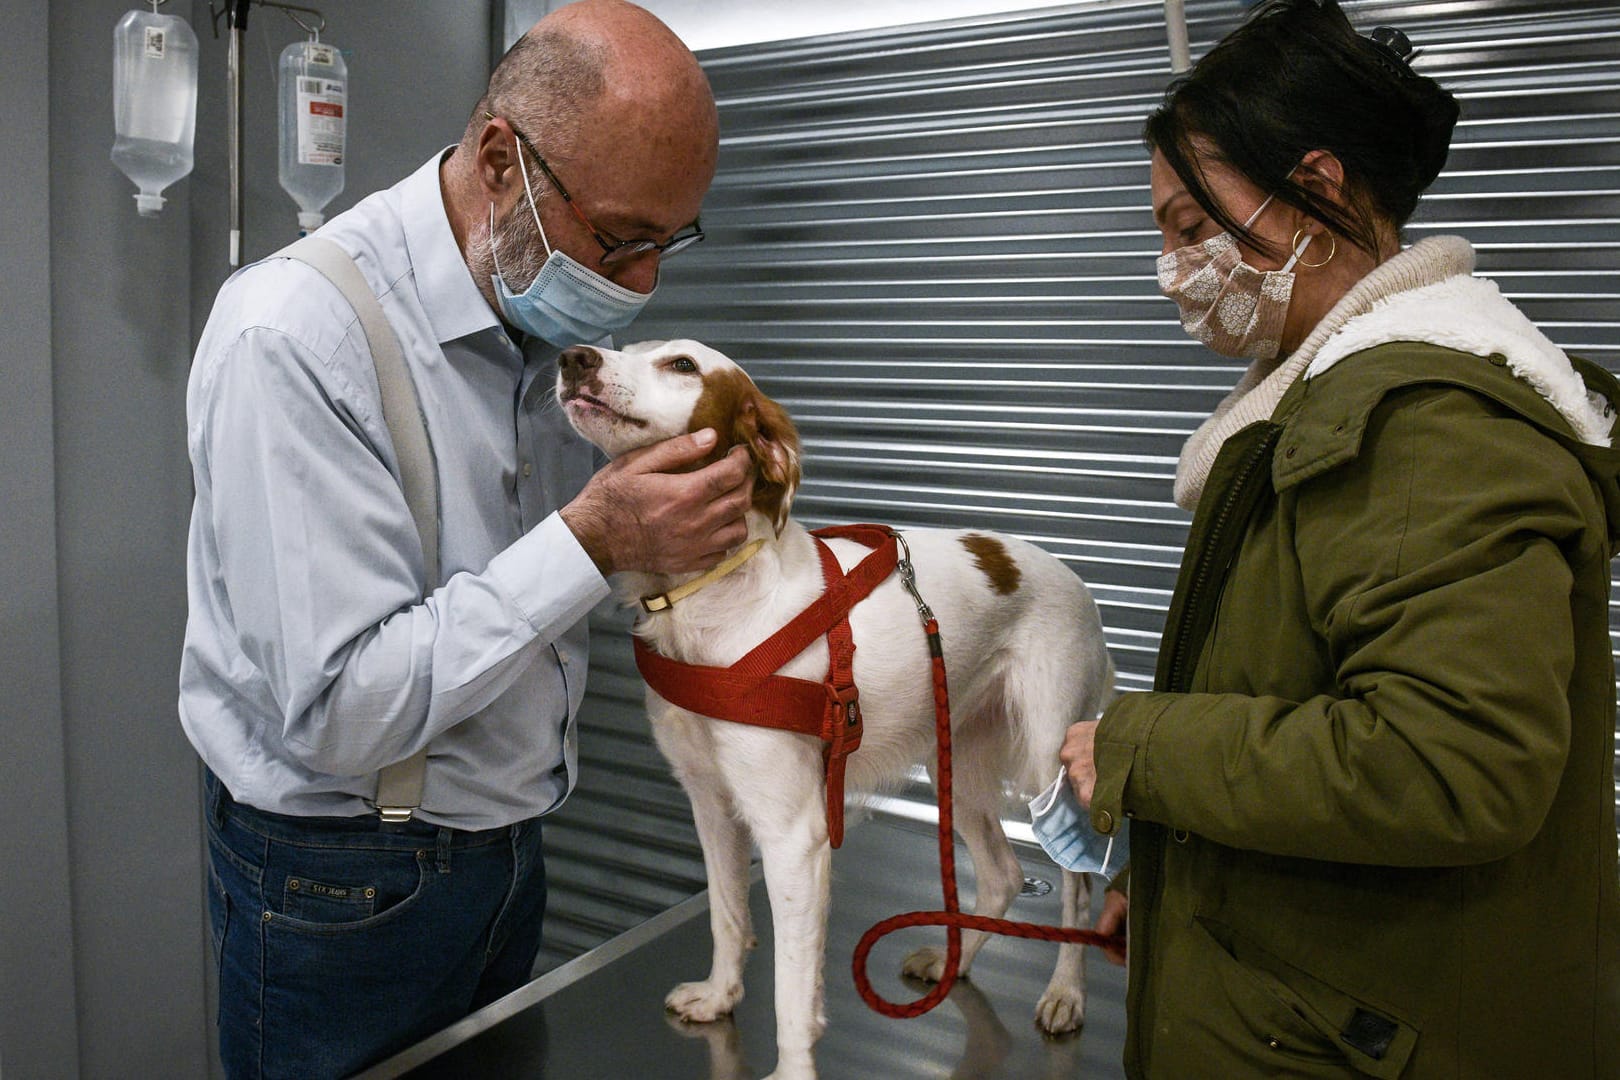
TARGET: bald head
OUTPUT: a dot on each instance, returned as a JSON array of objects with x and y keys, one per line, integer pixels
[
  {"x": 593, "y": 63},
  {"x": 619, "y": 110}
]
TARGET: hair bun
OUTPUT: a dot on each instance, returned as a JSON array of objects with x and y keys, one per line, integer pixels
[
  {"x": 1438, "y": 111},
  {"x": 1435, "y": 108}
]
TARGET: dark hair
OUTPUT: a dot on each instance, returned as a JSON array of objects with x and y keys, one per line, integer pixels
[{"x": 1296, "y": 77}]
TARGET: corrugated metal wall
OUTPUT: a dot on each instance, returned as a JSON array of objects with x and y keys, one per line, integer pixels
[{"x": 934, "y": 247}]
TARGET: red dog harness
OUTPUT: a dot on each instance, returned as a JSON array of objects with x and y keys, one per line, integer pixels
[{"x": 750, "y": 691}]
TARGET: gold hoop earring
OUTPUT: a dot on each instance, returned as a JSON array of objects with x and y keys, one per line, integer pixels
[{"x": 1334, "y": 250}]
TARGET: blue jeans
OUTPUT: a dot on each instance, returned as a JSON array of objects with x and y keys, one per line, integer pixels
[{"x": 340, "y": 941}]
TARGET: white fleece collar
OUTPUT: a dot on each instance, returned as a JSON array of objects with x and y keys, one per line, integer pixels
[
  {"x": 1427, "y": 262},
  {"x": 1471, "y": 315}
]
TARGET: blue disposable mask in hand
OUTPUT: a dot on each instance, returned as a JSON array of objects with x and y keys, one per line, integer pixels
[
  {"x": 566, "y": 303},
  {"x": 1065, "y": 833}
]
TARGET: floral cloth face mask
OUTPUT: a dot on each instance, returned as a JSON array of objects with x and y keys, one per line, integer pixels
[{"x": 1225, "y": 303}]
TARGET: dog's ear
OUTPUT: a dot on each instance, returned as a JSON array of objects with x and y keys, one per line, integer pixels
[{"x": 763, "y": 426}]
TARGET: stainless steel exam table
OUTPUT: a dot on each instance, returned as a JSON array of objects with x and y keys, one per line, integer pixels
[{"x": 601, "y": 1016}]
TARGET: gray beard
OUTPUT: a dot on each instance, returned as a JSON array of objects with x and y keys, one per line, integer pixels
[{"x": 522, "y": 254}]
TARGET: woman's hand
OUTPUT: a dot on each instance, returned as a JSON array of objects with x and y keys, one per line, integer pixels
[
  {"x": 1079, "y": 757},
  {"x": 1111, "y": 921}
]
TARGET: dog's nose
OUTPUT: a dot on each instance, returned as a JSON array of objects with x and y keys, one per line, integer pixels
[{"x": 578, "y": 361}]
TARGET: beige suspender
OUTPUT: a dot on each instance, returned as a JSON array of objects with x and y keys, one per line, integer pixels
[{"x": 399, "y": 786}]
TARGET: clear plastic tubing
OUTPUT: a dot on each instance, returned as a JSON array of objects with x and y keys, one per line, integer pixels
[
  {"x": 154, "y": 103},
  {"x": 313, "y": 84}
]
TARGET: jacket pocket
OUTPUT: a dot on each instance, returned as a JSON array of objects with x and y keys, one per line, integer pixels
[{"x": 1301, "y": 1018}]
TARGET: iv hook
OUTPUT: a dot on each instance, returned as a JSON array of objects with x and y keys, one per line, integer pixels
[{"x": 314, "y": 32}]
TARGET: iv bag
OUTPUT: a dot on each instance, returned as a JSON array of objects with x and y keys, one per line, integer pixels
[
  {"x": 313, "y": 85},
  {"x": 154, "y": 102}
]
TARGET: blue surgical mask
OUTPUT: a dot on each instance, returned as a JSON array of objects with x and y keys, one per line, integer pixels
[
  {"x": 1065, "y": 833},
  {"x": 566, "y": 303}
]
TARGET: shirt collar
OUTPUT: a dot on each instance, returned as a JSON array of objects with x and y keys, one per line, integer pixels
[{"x": 454, "y": 306}]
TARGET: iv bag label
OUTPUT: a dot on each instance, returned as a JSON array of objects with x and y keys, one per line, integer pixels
[
  {"x": 320, "y": 121},
  {"x": 321, "y": 54},
  {"x": 152, "y": 42}
]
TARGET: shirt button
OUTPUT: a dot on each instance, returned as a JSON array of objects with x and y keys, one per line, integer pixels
[
  {"x": 528, "y": 470},
  {"x": 1105, "y": 822}
]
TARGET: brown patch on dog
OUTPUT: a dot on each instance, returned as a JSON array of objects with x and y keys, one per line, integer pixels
[
  {"x": 723, "y": 392},
  {"x": 991, "y": 557},
  {"x": 741, "y": 415}
]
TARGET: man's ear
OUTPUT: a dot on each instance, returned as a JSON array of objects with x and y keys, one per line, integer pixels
[
  {"x": 495, "y": 160},
  {"x": 763, "y": 426}
]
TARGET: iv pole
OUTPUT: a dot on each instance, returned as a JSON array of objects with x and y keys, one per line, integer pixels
[
  {"x": 1175, "y": 21},
  {"x": 236, "y": 13}
]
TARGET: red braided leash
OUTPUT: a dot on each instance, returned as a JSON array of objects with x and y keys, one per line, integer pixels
[{"x": 951, "y": 918}]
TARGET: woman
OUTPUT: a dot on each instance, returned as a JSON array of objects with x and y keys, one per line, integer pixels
[{"x": 1373, "y": 790}]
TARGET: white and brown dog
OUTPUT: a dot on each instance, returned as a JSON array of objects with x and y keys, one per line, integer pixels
[{"x": 1023, "y": 647}]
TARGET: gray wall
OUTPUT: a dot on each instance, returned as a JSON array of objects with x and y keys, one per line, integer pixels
[
  {"x": 118, "y": 372},
  {"x": 103, "y": 969},
  {"x": 36, "y": 934}
]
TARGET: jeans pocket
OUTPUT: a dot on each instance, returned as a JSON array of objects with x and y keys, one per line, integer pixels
[
  {"x": 317, "y": 901},
  {"x": 349, "y": 978},
  {"x": 325, "y": 891}
]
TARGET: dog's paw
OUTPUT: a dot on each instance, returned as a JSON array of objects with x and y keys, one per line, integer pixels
[
  {"x": 1061, "y": 1011},
  {"x": 927, "y": 963},
  {"x": 701, "y": 1002}
]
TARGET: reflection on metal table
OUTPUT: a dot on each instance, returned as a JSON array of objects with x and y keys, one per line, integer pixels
[{"x": 601, "y": 1016}]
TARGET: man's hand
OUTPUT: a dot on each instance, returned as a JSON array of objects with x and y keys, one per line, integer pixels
[
  {"x": 640, "y": 513},
  {"x": 1079, "y": 757}
]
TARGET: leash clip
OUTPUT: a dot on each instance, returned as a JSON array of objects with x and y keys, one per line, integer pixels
[{"x": 908, "y": 577}]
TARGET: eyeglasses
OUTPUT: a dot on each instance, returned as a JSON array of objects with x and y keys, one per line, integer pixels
[{"x": 614, "y": 250}]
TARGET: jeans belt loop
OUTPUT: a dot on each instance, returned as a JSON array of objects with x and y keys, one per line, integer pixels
[{"x": 445, "y": 836}]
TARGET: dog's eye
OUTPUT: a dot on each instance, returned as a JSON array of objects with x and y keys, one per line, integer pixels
[{"x": 685, "y": 365}]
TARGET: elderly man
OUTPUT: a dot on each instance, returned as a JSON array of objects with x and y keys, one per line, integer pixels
[{"x": 322, "y": 646}]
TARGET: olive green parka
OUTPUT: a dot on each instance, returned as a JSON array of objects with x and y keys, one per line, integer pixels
[{"x": 1372, "y": 794}]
